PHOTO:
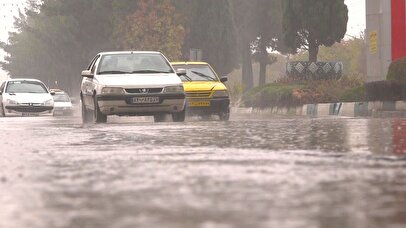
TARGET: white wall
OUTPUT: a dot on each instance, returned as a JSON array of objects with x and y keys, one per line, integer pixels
[{"x": 379, "y": 20}]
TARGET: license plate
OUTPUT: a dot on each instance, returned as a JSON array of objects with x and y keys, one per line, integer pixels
[
  {"x": 199, "y": 103},
  {"x": 145, "y": 100},
  {"x": 27, "y": 114}
]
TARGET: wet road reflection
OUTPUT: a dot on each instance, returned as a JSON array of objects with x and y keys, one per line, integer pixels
[{"x": 249, "y": 172}]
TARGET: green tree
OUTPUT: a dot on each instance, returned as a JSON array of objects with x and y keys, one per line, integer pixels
[
  {"x": 209, "y": 28},
  {"x": 57, "y": 39},
  {"x": 269, "y": 19},
  {"x": 153, "y": 26},
  {"x": 244, "y": 17},
  {"x": 311, "y": 23}
]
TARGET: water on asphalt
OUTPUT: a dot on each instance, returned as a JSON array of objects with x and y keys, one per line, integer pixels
[{"x": 248, "y": 172}]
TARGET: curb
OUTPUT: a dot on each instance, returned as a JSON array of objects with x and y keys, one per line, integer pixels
[
  {"x": 348, "y": 109},
  {"x": 358, "y": 109}
]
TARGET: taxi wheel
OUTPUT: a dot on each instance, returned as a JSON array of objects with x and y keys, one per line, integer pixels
[
  {"x": 225, "y": 116},
  {"x": 179, "y": 116},
  {"x": 99, "y": 117}
]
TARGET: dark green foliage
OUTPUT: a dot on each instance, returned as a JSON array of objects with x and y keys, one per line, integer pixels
[
  {"x": 354, "y": 94},
  {"x": 397, "y": 70},
  {"x": 209, "y": 28},
  {"x": 290, "y": 93},
  {"x": 277, "y": 94},
  {"x": 386, "y": 91},
  {"x": 311, "y": 23}
]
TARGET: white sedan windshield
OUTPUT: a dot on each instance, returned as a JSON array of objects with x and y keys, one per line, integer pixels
[
  {"x": 134, "y": 63},
  {"x": 25, "y": 87}
]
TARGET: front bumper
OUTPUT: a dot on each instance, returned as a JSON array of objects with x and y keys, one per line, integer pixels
[
  {"x": 122, "y": 104},
  {"x": 63, "y": 111},
  {"x": 216, "y": 106},
  {"x": 27, "y": 110}
]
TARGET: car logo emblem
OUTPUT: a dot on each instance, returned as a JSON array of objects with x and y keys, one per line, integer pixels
[{"x": 144, "y": 90}]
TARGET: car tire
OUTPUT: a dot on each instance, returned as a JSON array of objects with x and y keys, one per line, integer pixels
[
  {"x": 3, "y": 114},
  {"x": 99, "y": 117},
  {"x": 225, "y": 116},
  {"x": 159, "y": 118},
  {"x": 179, "y": 116},
  {"x": 86, "y": 115}
]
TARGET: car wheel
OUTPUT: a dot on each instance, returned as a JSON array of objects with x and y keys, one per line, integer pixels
[
  {"x": 225, "y": 116},
  {"x": 99, "y": 117},
  {"x": 159, "y": 118},
  {"x": 179, "y": 116},
  {"x": 3, "y": 114},
  {"x": 86, "y": 115}
]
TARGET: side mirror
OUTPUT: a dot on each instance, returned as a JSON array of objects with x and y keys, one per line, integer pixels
[
  {"x": 181, "y": 71},
  {"x": 87, "y": 74},
  {"x": 52, "y": 93},
  {"x": 224, "y": 78}
]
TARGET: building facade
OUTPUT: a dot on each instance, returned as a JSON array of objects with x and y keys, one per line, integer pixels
[{"x": 385, "y": 35}]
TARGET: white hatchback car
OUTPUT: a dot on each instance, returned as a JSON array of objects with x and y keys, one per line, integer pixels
[
  {"x": 131, "y": 83},
  {"x": 62, "y": 103},
  {"x": 25, "y": 97}
]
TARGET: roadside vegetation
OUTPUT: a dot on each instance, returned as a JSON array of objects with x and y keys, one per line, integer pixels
[
  {"x": 286, "y": 92},
  {"x": 393, "y": 88},
  {"x": 289, "y": 93}
]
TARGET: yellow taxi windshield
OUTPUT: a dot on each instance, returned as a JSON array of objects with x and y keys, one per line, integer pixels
[{"x": 196, "y": 72}]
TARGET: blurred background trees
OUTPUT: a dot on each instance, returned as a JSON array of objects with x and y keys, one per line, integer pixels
[{"x": 56, "y": 39}]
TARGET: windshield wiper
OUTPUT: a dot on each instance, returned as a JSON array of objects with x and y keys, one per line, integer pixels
[
  {"x": 113, "y": 72},
  {"x": 150, "y": 71},
  {"x": 204, "y": 76},
  {"x": 187, "y": 77}
]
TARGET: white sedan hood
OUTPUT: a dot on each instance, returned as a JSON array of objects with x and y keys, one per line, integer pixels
[
  {"x": 139, "y": 80},
  {"x": 28, "y": 97}
]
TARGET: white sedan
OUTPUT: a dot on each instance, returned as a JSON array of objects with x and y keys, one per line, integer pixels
[
  {"x": 131, "y": 83},
  {"x": 25, "y": 97}
]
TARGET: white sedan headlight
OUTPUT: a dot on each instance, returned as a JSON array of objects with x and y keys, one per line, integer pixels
[
  {"x": 112, "y": 90},
  {"x": 221, "y": 93},
  {"x": 11, "y": 102},
  {"x": 48, "y": 102},
  {"x": 174, "y": 89}
]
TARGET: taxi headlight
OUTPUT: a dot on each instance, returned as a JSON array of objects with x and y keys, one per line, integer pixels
[
  {"x": 12, "y": 102},
  {"x": 174, "y": 89},
  {"x": 221, "y": 93},
  {"x": 112, "y": 90}
]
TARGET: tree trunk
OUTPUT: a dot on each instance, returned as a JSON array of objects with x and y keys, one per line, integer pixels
[
  {"x": 247, "y": 75},
  {"x": 262, "y": 73},
  {"x": 313, "y": 49},
  {"x": 263, "y": 62}
]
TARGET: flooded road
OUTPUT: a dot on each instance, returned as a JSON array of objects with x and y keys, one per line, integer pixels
[{"x": 249, "y": 172}]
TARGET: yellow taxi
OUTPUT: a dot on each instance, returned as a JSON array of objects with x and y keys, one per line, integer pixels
[{"x": 206, "y": 95}]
